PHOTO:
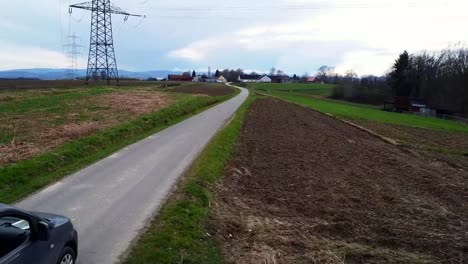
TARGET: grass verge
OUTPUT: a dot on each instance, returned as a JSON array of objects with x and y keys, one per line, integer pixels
[
  {"x": 28, "y": 176},
  {"x": 179, "y": 234},
  {"x": 364, "y": 113}
]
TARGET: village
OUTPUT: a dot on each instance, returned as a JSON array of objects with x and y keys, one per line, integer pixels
[{"x": 242, "y": 78}]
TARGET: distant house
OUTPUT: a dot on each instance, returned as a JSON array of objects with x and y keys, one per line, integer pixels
[
  {"x": 245, "y": 78},
  {"x": 265, "y": 79},
  {"x": 280, "y": 79},
  {"x": 179, "y": 78},
  {"x": 254, "y": 79},
  {"x": 221, "y": 79},
  {"x": 313, "y": 80}
]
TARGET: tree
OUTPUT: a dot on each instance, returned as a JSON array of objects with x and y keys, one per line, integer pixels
[
  {"x": 294, "y": 76},
  {"x": 324, "y": 72},
  {"x": 187, "y": 73},
  {"x": 232, "y": 75},
  {"x": 351, "y": 74},
  {"x": 217, "y": 74},
  {"x": 194, "y": 74},
  {"x": 398, "y": 77},
  {"x": 272, "y": 71},
  {"x": 280, "y": 73}
]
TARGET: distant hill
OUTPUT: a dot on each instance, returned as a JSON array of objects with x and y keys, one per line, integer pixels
[{"x": 57, "y": 74}]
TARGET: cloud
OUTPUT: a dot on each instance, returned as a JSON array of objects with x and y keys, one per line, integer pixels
[
  {"x": 294, "y": 35},
  {"x": 364, "y": 39},
  {"x": 21, "y": 57}
]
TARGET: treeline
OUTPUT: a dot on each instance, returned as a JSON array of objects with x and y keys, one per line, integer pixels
[
  {"x": 439, "y": 78},
  {"x": 365, "y": 90},
  {"x": 231, "y": 75}
]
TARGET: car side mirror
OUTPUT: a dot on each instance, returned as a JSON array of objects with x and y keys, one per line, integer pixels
[{"x": 43, "y": 231}]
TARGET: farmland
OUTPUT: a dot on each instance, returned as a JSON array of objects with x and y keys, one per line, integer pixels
[
  {"x": 286, "y": 184},
  {"x": 36, "y": 121},
  {"x": 306, "y": 188},
  {"x": 50, "y": 129},
  {"x": 362, "y": 112},
  {"x": 415, "y": 131}
]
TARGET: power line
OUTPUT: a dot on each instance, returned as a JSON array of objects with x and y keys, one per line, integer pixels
[
  {"x": 242, "y": 12},
  {"x": 61, "y": 27},
  {"x": 286, "y": 7}
]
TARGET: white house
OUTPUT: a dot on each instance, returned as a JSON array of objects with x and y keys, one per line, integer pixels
[
  {"x": 254, "y": 79},
  {"x": 265, "y": 79}
]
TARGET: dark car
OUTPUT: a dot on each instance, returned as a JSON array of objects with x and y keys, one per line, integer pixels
[{"x": 36, "y": 238}]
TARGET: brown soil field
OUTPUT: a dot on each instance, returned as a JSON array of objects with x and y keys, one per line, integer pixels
[
  {"x": 206, "y": 89},
  {"x": 40, "y": 84},
  {"x": 420, "y": 138},
  {"x": 306, "y": 188},
  {"x": 39, "y": 130}
]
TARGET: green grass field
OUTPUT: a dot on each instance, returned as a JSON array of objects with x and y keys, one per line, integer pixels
[
  {"x": 179, "y": 233},
  {"x": 301, "y": 88},
  {"x": 354, "y": 111}
]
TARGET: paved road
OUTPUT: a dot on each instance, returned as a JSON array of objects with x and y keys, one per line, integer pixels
[{"x": 112, "y": 200}]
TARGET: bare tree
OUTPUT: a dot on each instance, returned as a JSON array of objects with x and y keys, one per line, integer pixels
[
  {"x": 272, "y": 71},
  {"x": 325, "y": 72},
  {"x": 350, "y": 74}
]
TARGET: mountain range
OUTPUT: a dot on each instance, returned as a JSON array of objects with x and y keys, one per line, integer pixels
[{"x": 57, "y": 74}]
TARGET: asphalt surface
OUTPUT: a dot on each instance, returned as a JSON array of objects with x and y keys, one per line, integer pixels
[{"x": 111, "y": 201}]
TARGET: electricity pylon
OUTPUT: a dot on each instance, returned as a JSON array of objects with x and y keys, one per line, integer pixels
[
  {"x": 101, "y": 61},
  {"x": 72, "y": 55}
]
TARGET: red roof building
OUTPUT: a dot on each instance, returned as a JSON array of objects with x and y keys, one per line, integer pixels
[
  {"x": 179, "y": 78},
  {"x": 313, "y": 80}
]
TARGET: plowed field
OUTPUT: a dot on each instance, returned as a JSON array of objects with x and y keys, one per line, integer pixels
[{"x": 306, "y": 188}]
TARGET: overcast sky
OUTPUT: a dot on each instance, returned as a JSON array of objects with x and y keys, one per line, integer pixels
[{"x": 296, "y": 36}]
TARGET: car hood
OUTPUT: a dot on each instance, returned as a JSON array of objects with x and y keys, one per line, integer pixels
[{"x": 56, "y": 220}]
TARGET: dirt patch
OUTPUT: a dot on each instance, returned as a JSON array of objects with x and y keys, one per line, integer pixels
[
  {"x": 206, "y": 89},
  {"x": 39, "y": 131},
  {"x": 135, "y": 102},
  {"x": 421, "y": 138},
  {"x": 306, "y": 188}
]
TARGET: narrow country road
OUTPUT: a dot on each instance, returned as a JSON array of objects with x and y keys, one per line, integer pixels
[{"x": 111, "y": 201}]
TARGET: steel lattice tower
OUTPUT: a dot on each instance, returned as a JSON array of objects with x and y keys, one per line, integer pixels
[
  {"x": 101, "y": 61},
  {"x": 72, "y": 55}
]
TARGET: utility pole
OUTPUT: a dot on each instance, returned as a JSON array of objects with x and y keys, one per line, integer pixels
[
  {"x": 101, "y": 61},
  {"x": 72, "y": 55}
]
